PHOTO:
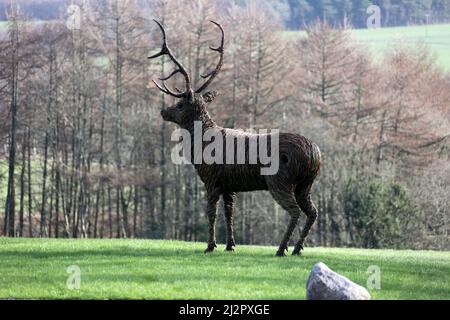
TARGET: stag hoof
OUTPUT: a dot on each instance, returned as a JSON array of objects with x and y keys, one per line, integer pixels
[
  {"x": 298, "y": 251},
  {"x": 211, "y": 248},
  {"x": 281, "y": 254},
  {"x": 230, "y": 246}
]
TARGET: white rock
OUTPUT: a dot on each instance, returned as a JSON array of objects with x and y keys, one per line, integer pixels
[{"x": 325, "y": 284}]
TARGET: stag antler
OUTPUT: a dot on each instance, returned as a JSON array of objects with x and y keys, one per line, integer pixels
[
  {"x": 210, "y": 76},
  {"x": 180, "y": 69}
]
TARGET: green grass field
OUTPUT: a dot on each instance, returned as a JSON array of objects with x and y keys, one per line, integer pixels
[
  {"x": 138, "y": 269},
  {"x": 436, "y": 37}
]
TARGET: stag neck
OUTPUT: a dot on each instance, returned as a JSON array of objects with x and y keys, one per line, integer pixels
[{"x": 207, "y": 123}]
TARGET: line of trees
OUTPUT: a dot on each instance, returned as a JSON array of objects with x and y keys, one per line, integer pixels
[
  {"x": 300, "y": 13},
  {"x": 293, "y": 14},
  {"x": 84, "y": 153}
]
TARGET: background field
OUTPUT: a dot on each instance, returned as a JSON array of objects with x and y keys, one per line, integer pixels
[
  {"x": 436, "y": 37},
  {"x": 131, "y": 269}
]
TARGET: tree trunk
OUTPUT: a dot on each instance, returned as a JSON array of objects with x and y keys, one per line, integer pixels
[
  {"x": 42, "y": 232},
  {"x": 22, "y": 188}
]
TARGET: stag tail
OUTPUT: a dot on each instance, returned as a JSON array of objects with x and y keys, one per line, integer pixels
[{"x": 316, "y": 158}]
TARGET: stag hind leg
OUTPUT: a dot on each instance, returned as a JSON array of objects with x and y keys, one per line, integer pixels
[
  {"x": 308, "y": 207},
  {"x": 229, "y": 200},
  {"x": 286, "y": 199},
  {"x": 211, "y": 211}
]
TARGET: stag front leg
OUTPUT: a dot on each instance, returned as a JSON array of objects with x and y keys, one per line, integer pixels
[
  {"x": 211, "y": 212},
  {"x": 286, "y": 199},
  {"x": 229, "y": 200},
  {"x": 310, "y": 210}
]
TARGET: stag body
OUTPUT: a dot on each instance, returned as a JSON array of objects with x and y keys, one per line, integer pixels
[{"x": 290, "y": 186}]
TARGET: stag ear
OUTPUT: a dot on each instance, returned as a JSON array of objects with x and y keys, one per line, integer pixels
[{"x": 210, "y": 96}]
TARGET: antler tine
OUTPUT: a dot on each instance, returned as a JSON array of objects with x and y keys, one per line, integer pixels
[
  {"x": 222, "y": 43},
  {"x": 210, "y": 76},
  {"x": 164, "y": 49},
  {"x": 170, "y": 76},
  {"x": 180, "y": 69},
  {"x": 166, "y": 90}
]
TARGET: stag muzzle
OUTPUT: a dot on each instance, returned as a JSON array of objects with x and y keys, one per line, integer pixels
[{"x": 165, "y": 115}]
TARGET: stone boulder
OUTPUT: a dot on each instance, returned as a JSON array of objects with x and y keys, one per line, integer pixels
[{"x": 325, "y": 284}]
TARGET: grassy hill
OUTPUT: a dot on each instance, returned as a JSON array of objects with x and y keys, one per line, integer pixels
[
  {"x": 138, "y": 269},
  {"x": 436, "y": 37}
]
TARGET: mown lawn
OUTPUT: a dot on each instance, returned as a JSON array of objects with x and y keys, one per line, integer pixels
[{"x": 139, "y": 269}]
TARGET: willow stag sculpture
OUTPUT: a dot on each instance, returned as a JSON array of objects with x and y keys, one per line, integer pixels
[{"x": 290, "y": 186}]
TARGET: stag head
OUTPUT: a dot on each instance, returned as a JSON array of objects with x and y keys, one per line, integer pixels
[{"x": 193, "y": 102}]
